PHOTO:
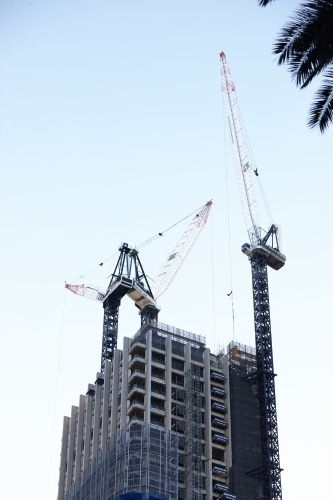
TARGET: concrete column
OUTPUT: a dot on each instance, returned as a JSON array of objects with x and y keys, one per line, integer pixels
[
  {"x": 187, "y": 356},
  {"x": 78, "y": 458},
  {"x": 63, "y": 457},
  {"x": 98, "y": 390},
  {"x": 208, "y": 420},
  {"x": 168, "y": 369},
  {"x": 187, "y": 375},
  {"x": 88, "y": 427},
  {"x": 71, "y": 447},
  {"x": 187, "y": 415},
  {"x": 148, "y": 378},
  {"x": 124, "y": 385},
  {"x": 105, "y": 416},
  {"x": 115, "y": 388}
]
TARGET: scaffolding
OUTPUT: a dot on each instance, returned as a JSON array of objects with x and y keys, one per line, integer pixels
[
  {"x": 193, "y": 433},
  {"x": 140, "y": 458}
]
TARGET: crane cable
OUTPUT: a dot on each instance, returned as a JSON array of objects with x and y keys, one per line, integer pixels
[
  {"x": 213, "y": 275},
  {"x": 153, "y": 238},
  {"x": 254, "y": 168},
  {"x": 231, "y": 296},
  {"x": 93, "y": 268},
  {"x": 56, "y": 391},
  {"x": 145, "y": 243}
]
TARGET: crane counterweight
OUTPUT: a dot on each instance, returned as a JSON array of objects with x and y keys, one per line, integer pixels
[{"x": 275, "y": 259}]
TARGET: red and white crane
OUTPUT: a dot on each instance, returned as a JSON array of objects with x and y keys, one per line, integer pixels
[
  {"x": 262, "y": 251},
  {"x": 129, "y": 278},
  {"x": 171, "y": 266}
]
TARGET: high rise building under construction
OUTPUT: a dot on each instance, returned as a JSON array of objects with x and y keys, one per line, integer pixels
[{"x": 167, "y": 419}]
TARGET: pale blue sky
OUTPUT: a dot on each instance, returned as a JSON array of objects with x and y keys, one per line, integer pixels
[{"x": 112, "y": 129}]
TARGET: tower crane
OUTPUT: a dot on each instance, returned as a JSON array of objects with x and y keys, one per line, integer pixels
[
  {"x": 262, "y": 251},
  {"x": 129, "y": 278}
]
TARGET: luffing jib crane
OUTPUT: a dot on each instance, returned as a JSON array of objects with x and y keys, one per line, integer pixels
[
  {"x": 129, "y": 278},
  {"x": 262, "y": 251}
]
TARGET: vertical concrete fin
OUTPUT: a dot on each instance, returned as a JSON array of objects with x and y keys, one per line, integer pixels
[
  {"x": 63, "y": 458},
  {"x": 106, "y": 394}
]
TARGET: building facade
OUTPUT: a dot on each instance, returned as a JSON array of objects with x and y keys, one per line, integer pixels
[{"x": 167, "y": 418}]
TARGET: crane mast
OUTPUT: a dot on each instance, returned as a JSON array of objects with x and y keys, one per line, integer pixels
[
  {"x": 128, "y": 278},
  {"x": 262, "y": 251}
]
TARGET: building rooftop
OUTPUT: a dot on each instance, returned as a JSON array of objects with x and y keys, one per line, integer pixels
[{"x": 177, "y": 333}]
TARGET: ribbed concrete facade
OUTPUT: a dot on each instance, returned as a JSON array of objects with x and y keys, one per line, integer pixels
[{"x": 147, "y": 384}]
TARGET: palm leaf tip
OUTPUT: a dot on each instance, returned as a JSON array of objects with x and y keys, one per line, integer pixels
[
  {"x": 321, "y": 111},
  {"x": 263, "y": 3}
]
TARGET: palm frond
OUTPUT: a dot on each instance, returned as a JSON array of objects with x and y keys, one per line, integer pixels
[
  {"x": 321, "y": 111},
  {"x": 263, "y": 3},
  {"x": 305, "y": 43}
]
